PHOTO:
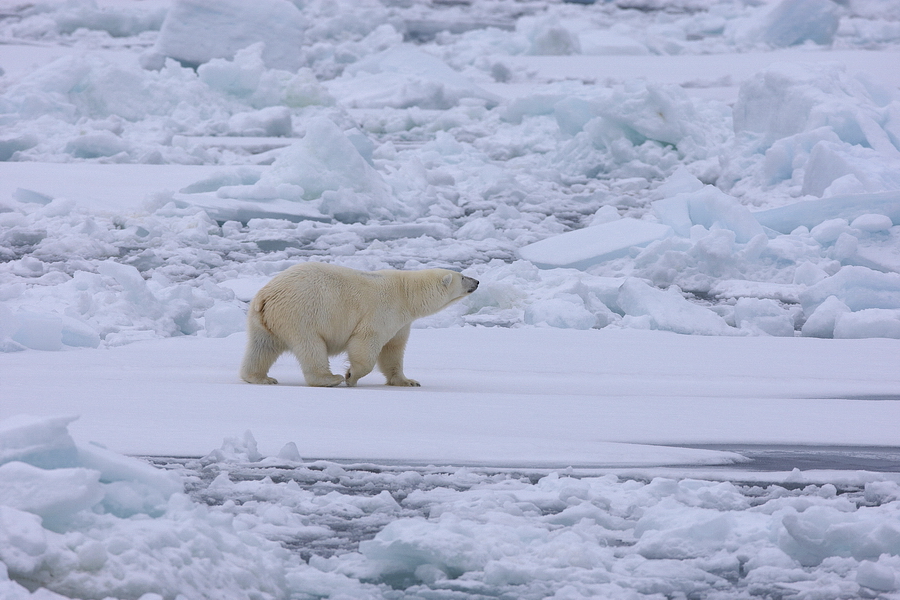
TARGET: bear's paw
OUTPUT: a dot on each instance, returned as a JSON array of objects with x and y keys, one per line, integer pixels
[
  {"x": 330, "y": 380},
  {"x": 404, "y": 382},
  {"x": 261, "y": 380}
]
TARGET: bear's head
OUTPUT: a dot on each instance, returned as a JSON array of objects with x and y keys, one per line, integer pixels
[
  {"x": 458, "y": 285},
  {"x": 431, "y": 290}
]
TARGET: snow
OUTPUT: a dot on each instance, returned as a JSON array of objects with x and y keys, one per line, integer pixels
[
  {"x": 685, "y": 218},
  {"x": 811, "y": 213},
  {"x": 484, "y": 402},
  {"x": 858, "y": 287},
  {"x": 582, "y": 248},
  {"x": 793, "y": 22},
  {"x": 197, "y": 31},
  {"x": 453, "y": 532},
  {"x": 708, "y": 207},
  {"x": 422, "y": 80}
]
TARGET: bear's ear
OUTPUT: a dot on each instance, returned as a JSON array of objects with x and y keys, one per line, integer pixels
[{"x": 447, "y": 279}]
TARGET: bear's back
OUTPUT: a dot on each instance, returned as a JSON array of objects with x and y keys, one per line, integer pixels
[{"x": 325, "y": 282}]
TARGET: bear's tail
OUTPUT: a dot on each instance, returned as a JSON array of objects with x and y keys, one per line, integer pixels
[{"x": 257, "y": 313}]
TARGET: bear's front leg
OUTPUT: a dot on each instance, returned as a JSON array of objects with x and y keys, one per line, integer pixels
[{"x": 390, "y": 360}]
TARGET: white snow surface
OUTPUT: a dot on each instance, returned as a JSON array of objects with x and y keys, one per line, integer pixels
[
  {"x": 488, "y": 397},
  {"x": 685, "y": 221}
]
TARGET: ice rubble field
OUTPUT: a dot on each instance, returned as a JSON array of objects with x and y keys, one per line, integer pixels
[
  {"x": 614, "y": 174},
  {"x": 760, "y": 206},
  {"x": 89, "y": 523}
]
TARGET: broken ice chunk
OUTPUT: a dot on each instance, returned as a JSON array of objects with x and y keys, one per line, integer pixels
[{"x": 582, "y": 248}]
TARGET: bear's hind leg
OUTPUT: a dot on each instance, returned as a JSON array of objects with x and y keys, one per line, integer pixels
[
  {"x": 390, "y": 360},
  {"x": 263, "y": 349},
  {"x": 313, "y": 358},
  {"x": 362, "y": 350}
]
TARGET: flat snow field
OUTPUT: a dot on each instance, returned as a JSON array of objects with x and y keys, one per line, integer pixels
[{"x": 490, "y": 396}]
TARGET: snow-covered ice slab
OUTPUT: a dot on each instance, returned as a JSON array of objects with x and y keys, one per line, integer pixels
[
  {"x": 742, "y": 288},
  {"x": 250, "y": 144},
  {"x": 244, "y": 289},
  {"x": 185, "y": 32},
  {"x": 648, "y": 307},
  {"x": 707, "y": 75},
  {"x": 582, "y": 248},
  {"x": 522, "y": 397},
  {"x": 709, "y": 207},
  {"x": 103, "y": 187},
  {"x": 809, "y": 213},
  {"x": 18, "y": 60},
  {"x": 229, "y": 209},
  {"x": 402, "y": 77}
]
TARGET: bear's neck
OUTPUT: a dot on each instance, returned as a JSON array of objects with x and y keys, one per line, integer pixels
[{"x": 419, "y": 304}]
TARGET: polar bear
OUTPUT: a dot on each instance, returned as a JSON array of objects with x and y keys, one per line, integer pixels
[{"x": 317, "y": 310}]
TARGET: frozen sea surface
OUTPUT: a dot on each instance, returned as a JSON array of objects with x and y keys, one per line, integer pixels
[
  {"x": 677, "y": 378},
  {"x": 715, "y": 467},
  {"x": 763, "y": 136},
  {"x": 88, "y": 523}
]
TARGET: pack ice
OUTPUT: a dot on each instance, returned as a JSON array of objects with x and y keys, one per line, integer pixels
[
  {"x": 79, "y": 521},
  {"x": 768, "y": 216}
]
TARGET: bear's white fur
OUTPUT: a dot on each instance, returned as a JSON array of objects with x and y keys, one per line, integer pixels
[{"x": 317, "y": 310}]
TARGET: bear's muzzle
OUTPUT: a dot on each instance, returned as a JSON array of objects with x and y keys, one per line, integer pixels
[{"x": 469, "y": 284}]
